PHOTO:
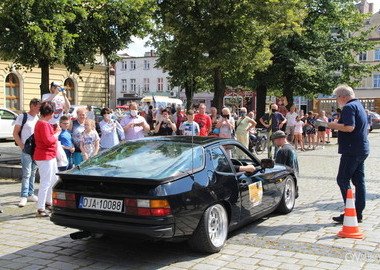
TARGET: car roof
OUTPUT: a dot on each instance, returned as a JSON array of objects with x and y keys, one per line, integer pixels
[
  {"x": 198, "y": 140},
  {"x": 5, "y": 109}
]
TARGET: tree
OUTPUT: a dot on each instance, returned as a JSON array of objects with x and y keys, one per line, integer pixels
[
  {"x": 224, "y": 39},
  {"x": 70, "y": 32},
  {"x": 321, "y": 57}
]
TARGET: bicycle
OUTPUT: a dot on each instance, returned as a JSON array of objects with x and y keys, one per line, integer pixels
[{"x": 260, "y": 144}]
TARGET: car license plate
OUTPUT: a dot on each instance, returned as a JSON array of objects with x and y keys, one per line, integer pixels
[{"x": 101, "y": 204}]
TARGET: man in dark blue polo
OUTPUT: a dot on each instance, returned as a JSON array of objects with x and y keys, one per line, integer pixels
[{"x": 353, "y": 146}]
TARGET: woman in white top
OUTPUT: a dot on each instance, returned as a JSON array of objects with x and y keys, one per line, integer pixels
[
  {"x": 291, "y": 121},
  {"x": 298, "y": 130},
  {"x": 111, "y": 130},
  {"x": 226, "y": 124},
  {"x": 321, "y": 135}
]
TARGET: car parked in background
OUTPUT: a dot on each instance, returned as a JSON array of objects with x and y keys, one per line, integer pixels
[
  {"x": 375, "y": 120},
  {"x": 175, "y": 187},
  {"x": 7, "y": 121}
]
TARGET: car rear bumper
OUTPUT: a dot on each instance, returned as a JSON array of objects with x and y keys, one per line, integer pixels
[{"x": 104, "y": 226}]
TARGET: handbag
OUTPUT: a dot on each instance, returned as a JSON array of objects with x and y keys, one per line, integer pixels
[
  {"x": 61, "y": 156},
  {"x": 216, "y": 131},
  {"x": 30, "y": 145}
]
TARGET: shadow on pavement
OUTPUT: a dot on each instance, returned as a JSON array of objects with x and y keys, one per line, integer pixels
[
  {"x": 274, "y": 230},
  {"x": 102, "y": 253}
]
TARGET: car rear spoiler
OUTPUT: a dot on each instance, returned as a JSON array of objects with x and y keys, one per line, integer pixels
[{"x": 138, "y": 181}]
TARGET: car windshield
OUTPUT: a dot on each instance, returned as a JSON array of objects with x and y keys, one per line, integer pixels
[{"x": 147, "y": 160}]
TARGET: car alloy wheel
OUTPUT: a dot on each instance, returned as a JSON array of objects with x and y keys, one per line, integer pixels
[
  {"x": 217, "y": 225},
  {"x": 289, "y": 196},
  {"x": 211, "y": 233}
]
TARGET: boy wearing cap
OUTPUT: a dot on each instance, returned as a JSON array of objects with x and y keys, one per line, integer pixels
[
  {"x": 286, "y": 154},
  {"x": 61, "y": 102}
]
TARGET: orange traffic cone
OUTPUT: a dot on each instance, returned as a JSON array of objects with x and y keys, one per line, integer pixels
[{"x": 350, "y": 222}]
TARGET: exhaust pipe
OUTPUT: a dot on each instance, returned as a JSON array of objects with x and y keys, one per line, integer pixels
[{"x": 80, "y": 235}]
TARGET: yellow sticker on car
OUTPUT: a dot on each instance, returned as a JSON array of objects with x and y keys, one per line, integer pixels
[{"x": 256, "y": 193}]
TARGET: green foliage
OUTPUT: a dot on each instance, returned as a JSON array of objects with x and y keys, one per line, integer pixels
[
  {"x": 323, "y": 55},
  {"x": 69, "y": 32},
  {"x": 221, "y": 40}
]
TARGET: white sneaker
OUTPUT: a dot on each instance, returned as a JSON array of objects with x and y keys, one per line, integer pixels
[
  {"x": 32, "y": 198},
  {"x": 22, "y": 202}
]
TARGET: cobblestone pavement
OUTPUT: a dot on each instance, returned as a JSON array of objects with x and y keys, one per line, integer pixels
[{"x": 303, "y": 239}]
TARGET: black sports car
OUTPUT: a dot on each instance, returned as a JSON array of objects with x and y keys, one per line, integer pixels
[{"x": 172, "y": 188}]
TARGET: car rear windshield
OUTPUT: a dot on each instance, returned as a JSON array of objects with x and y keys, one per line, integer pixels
[{"x": 148, "y": 160}]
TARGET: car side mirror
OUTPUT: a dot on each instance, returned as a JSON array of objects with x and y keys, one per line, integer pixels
[{"x": 267, "y": 163}]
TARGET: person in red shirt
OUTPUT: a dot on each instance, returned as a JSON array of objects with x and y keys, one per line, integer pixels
[
  {"x": 203, "y": 120},
  {"x": 45, "y": 155}
]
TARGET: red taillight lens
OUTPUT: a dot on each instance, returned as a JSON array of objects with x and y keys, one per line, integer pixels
[
  {"x": 63, "y": 199},
  {"x": 139, "y": 207},
  {"x": 160, "y": 212}
]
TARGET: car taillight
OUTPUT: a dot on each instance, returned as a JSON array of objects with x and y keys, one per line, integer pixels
[
  {"x": 139, "y": 207},
  {"x": 63, "y": 199}
]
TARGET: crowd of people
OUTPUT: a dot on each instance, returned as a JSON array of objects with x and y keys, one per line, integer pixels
[{"x": 80, "y": 139}]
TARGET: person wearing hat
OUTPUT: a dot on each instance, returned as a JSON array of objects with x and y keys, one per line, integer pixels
[
  {"x": 286, "y": 154},
  {"x": 61, "y": 102}
]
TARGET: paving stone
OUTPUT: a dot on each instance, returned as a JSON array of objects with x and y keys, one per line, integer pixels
[
  {"x": 268, "y": 263},
  {"x": 324, "y": 265},
  {"x": 242, "y": 266},
  {"x": 289, "y": 266},
  {"x": 203, "y": 266}
]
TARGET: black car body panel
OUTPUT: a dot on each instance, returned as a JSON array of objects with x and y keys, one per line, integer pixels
[{"x": 189, "y": 193}]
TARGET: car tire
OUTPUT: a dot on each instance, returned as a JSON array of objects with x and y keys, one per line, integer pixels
[
  {"x": 211, "y": 233},
  {"x": 288, "y": 197}
]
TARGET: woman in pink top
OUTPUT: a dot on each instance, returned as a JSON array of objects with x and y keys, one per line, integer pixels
[{"x": 45, "y": 156}]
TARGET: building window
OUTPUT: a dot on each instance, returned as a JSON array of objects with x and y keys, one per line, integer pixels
[
  {"x": 363, "y": 56},
  {"x": 70, "y": 90},
  {"x": 376, "y": 81},
  {"x": 160, "y": 84},
  {"x": 133, "y": 65},
  {"x": 124, "y": 85},
  {"x": 146, "y": 64},
  {"x": 133, "y": 85},
  {"x": 12, "y": 92},
  {"x": 146, "y": 85},
  {"x": 124, "y": 65},
  {"x": 377, "y": 54}
]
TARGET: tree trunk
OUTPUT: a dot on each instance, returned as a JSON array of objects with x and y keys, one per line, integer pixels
[
  {"x": 219, "y": 89},
  {"x": 44, "y": 86},
  {"x": 189, "y": 91},
  {"x": 288, "y": 93},
  {"x": 261, "y": 91}
]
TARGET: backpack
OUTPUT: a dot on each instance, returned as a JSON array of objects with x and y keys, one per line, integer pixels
[
  {"x": 30, "y": 145},
  {"x": 24, "y": 119}
]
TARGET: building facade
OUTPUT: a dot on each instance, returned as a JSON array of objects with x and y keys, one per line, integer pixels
[
  {"x": 19, "y": 86},
  {"x": 370, "y": 86},
  {"x": 137, "y": 77}
]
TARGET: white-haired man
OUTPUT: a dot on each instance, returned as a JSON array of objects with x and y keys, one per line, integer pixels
[{"x": 353, "y": 147}]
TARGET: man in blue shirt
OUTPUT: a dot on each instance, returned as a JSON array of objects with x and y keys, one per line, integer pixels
[{"x": 353, "y": 146}]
